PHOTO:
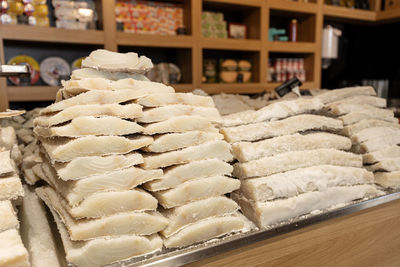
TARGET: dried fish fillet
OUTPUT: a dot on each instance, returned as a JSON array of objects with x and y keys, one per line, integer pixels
[
  {"x": 37, "y": 170},
  {"x": 295, "y": 159},
  {"x": 6, "y": 167},
  {"x": 246, "y": 151},
  {"x": 303, "y": 180},
  {"x": 369, "y": 114},
  {"x": 180, "y": 124},
  {"x": 229, "y": 103},
  {"x": 76, "y": 191},
  {"x": 382, "y": 154},
  {"x": 353, "y": 129},
  {"x": 363, "y": 100},
  {"x": 164, "y": 113},
  {"x": 176, "y": 175},
  {"x": 388, "y": 165},
  {"x": 12, "y": 250},
  {"x": 105, "y": 60},
  {"x": 36, "y": 232},
  {"x": 205, "y": 230},
  {"x": 339, "y": 94},
  {"x": 92, "y": 73},
  {"x": 10, "y": 188},
  {"x": 268, "y": 213},
  {"x": 195, "y": 190},
  {"x": 378, "y": 143},
  {"x": 279, "y": 110},
  {"x": 8, "y": 218},
  {"x": 128, "y": 111},
  {"x": 8, "y": 138},
  {"x": 95, "y": 97},
  {"x": 165, "y": 99},
  {"x": 11, "y": 113},
  {"x": 105, "y": 250},
  {"x": 299, "y": 123},
  {"x": 174, "y": 141},
  {"x": 86, "y": 84},
  {"x": 185, "y": 215},
  {"x": 88, "y": 125},
  {"x": 388, "y": 179},
  {"x": 66, "y": 150},
  {"x": 211, "y": 150},
  {"x": 345, "y": 108},
  {"x": 374, "y": 132},
  {"x": 127, "y": 223},
  {"x": 81, "y": 167},
  {"x": 107, "y": 203}
]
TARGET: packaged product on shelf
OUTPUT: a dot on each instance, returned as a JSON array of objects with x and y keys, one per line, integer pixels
[
  {"x": 210, "y": 70},
  {"x": 228, "y": 71},
  {"x": 76, "y": 15},
  {"x": 283, "y": 69},
  {"x": 33, "y": 67},
  {"x": 213, "y": 25},
  {"x": 53, "y": 70}
]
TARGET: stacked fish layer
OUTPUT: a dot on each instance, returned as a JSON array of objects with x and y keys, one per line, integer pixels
[
  {"x": 90, "y": 139},
  {"x": 374, "y": 130},
  {"x": 292, "y": 162},
  {"x": 12, "y": 250},
  {"x": 194, "y": 158}
]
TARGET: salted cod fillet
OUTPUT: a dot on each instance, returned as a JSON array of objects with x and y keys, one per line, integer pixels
[
  {"x": 279, "y": 110},
  {"x": 8, "y": 218},
  {"x": 88, "y": 125},
  {"x": 11, "y": 113},
  {"x": 92, "y": 73},
  {"x": 76, "y": 191},
  {"x": 66, "y": 149},
  {"x": 128, "y": 111},
  {"x": 164, "y": 113},
  {"x": 165, "y": 99},
  {"x": 295, "y": 159},
  {"x": 137, "y": 223},
  {"x": 247, "y": 151},
  {"x": 182, "y": 216},
  {"x": 38, "y": 172},
  {"x": 36, "y": 232},
  {"x": 81, "y": 167},
  {"x": 382, "y": 154},
  {"x": 303, "y": 180},
  {"x": 367, "y": 114},
  {"x": 346, "y": 108},
  {"x": 180, "y": 124},
  {"x": 268, "y": 213},
  {"x": 176, "y": 175},
  {"x": 339, "y": 94},
  {"x": 30, "y": 176},
  {"x": 7, "y": 137},
  {"x": 388, "y": 179},
  {"x": 10, "y": 188},
  {"x": 105, "y": 250},
  {"x": 377, "y": 143},
  {"x": 299, "y": 123},
  {"x": 6, "y": 167},
  {"x": 362, "y": 100},
  {"x": 12, "y": 251},
  {"x": 96, "y": 97},
  {"x": 374, "y": 132},
  {"x": 209, "y": 150},
  {"x": 174, "y": 141},
  {"x": 195, "y": 190},
  {"x": 353, "y": 129},
  {"x": 205, "y": 230},
  {"x": 388, "y": 165}
]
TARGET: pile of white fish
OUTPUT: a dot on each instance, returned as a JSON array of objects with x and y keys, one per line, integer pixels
[{"x": 292, "y": 161}]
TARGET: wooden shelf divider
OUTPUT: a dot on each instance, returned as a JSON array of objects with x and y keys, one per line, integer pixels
[
  {"x": 131, "y": 39},
  {"x": 287, "y": 5},
  {"x": 32, "y": 93},
  {"x": 348, "y": 13},
  {"x": 291, "y": 47}
]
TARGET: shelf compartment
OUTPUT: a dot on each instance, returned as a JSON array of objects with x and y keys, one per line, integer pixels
[
  {"x": 308, "y": 62},
  {"x": 51, "y": 34},
  {"x": 391, "y": 14},
  {"x": 132, "y": 39},
  {"x": 183, "y": 87},
  {"x": 344, "y": 13},
  {"x": 287, "y": 5},
  {"x": 32, "y": 93},
  {"x": 234, "y": 88},
  {"x": 291, "y": 47},
  {"x": 231, "y": 44},
  {"x": 256, "y": 3}
]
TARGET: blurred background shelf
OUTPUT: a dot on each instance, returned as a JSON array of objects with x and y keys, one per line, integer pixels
[{"x": 32, "y": 93}]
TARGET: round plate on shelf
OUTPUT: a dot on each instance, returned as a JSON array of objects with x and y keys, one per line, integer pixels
[
  {"x": 33, "y": 67},
  {"x": 53, "y": 70}
]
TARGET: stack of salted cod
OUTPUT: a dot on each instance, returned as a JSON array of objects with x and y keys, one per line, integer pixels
[
  {"x": 374, "y": 130},
  {"x": 193, "y": 156},
  {"x": 12, "y": 250},
  {"x": 291, "y": 162},
  {"x": 90, "y": 138}
]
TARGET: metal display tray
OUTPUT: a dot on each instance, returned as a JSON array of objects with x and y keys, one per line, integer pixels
[{"x": 179, "y": 257}]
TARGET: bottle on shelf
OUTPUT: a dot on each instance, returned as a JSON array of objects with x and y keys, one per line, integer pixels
[{"x": 293, "y": 30}]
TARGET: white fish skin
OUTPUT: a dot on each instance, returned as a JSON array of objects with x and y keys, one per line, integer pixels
[
  {"x": 12, "y": 250},
  {"x": 209, "y": 150},
  {"x": 374, "y": 132},
  {"x": 180, "y": 124},
  {"x": 128, "y": 111},
  {"x": 195, "y": 190},
  {"x": 295, "y": 159},
  {"x": 388, "y": 179},
  {"x": 387, "y": 165},
  {"x": 353, "y": 129},
  {"x": 185, "y": 215},
  {"x": 367, "y": 114},
  {"x": 82, "y": 167},
  {"x": 338, "y": 94},
  {"x": 164, "y": 99},
  {"x": 176, "y": 175},
  {"x": 11, "y": 188},
  {"x": 174, "y": 141},
  {"x": 382, "y": 154},
  {"x": 8, "y": 218},
  {"x": 6, "y": 166},
  {"x": 362, "y": 100},
  {"x": 66, "y": 149},
  {"x": 137, "y": 223},
  {"x": 345, "y": 108}
]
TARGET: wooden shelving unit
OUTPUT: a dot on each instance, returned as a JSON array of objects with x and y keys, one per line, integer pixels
[{"x": 191, "y": 49}]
